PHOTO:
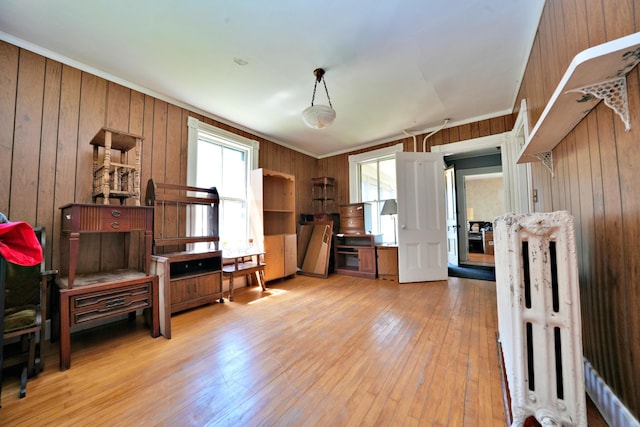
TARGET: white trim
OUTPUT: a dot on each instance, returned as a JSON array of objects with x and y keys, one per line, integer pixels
[
  {"x": 354, "y": 180},
  {"x": 468, "y": 145}
]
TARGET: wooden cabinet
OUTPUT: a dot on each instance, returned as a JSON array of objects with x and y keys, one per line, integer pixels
[
  {"x": 273, "y": 221},
  {"x": 487, "y": 242},
  {"x": 99, "y": 295},
  {"x": 387, "y": 262},
  {"x": 355, "y": 254},
  {"x": 280, "y": 256},
  {"x": 355, "y": 218},
  {"x": 188, "y": 278}
]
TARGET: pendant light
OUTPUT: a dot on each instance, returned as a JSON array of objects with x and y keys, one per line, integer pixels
[{"x": 319, "y": 116}]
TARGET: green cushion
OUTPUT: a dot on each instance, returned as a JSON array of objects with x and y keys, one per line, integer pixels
[{"x": 20, "y": 318}]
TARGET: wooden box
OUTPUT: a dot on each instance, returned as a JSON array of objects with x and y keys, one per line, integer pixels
[{"x": 355, "y": 218}]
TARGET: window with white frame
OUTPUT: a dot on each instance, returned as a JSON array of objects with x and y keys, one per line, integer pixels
[
  {"x": 222, "y": 159},
  {"x": 372, "y": 179}
]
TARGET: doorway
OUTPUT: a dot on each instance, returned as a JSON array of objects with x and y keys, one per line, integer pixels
[{"x": 479, "y": 199}]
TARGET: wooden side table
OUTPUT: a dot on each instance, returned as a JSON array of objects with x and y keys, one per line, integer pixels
[{"x": 387, "y": 262}]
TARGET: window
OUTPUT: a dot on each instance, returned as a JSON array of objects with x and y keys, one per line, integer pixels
[
  {"x": 372, "y": 179},
  {"x": 222, "y": 159}
]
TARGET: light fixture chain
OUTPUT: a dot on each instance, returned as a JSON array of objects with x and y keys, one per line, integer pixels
[
  {"x": 327, "y": 91},
  {"x": 313, "y": 97}
]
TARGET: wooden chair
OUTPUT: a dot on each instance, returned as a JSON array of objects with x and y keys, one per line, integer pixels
[{"x": 25, "y": 295}]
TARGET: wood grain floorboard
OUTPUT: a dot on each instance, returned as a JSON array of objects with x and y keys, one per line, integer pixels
[{"x": 341, "y": 351}]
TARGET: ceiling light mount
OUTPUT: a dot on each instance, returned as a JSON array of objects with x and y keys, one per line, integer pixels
[{"x": 319, "y": 116}]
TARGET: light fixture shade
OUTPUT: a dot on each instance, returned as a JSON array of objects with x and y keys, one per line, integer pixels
[
  {"x": 390, "y": 207},
  {"x": 318, "y": 116}
]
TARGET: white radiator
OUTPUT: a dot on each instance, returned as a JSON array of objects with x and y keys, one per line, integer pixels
[{"x": 539, "y": 317}]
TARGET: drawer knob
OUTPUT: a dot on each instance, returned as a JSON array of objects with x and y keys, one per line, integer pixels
[
  {"x": 116, "y": 213},
  {"x": 115, "y": 225}
]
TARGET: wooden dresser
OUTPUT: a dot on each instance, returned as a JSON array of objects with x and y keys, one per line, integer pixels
[{"x": 355, "y": 218}]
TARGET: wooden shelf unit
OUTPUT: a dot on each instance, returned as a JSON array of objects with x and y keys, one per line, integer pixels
[
  {"x": 116, "y": 179},
  {"x": 273, "y": 221},
  {"x": 355, "y": 254},
  {"x": 188, "y": 277}
]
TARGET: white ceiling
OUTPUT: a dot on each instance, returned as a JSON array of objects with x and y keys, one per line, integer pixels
[{"x": 391, "y": 65}]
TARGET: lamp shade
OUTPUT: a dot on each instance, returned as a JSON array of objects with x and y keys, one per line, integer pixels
[
  {"x": 390, "y": 207},
  {"x": 318, "y": 116}
]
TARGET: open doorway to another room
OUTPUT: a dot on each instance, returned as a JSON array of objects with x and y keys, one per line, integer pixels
[{"x": 479, "y": 199}]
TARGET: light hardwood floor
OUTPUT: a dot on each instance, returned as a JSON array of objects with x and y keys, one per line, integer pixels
[{"x": 307, "y": 352}]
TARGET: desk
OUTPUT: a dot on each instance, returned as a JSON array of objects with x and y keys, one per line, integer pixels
[{"x": 245, "y": 263}]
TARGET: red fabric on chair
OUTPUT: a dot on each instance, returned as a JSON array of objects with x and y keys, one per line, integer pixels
[{"x": 19, "y": 244}]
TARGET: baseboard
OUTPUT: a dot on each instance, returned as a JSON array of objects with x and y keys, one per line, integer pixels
[{"x": 611, "y": 408}]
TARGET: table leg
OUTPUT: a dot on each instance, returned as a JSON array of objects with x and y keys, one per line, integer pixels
[
  {"x": 231, "y": 287},
  {"x": 65, "y": 333}
]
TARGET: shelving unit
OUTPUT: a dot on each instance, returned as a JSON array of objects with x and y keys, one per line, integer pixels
[
  {"x": 116, "y": 179},
  {"x": 594, "y": 74},
  {"x": 274, "y": 221},
  {"x": 188, "y": 278},
  {"x": 355, "y": 254},
  {"x": 324, "y": 195}
]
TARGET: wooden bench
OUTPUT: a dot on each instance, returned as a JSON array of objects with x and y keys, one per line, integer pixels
[{"x": 244, "y": 264}]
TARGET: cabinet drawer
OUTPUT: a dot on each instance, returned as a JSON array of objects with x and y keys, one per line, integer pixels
[
  {"x": 352, "y": 210},
  {"x": 352, "y": 225},
  {"x": 103, "y": 304}
]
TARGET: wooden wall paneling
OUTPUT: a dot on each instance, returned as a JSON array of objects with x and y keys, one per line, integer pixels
[
  {"x": 586, "y": 249},
  {"x": 575, "y": 26},
  {"x": 629, "y": 159},
  {"x": 148, "y": 143},
  {"x": 93, "y": 101},
  {"x": 136, "y": 125},
  {"x": 184, "y": 146},
  {"x": 484, "y": 128},
  {"x": 498, "y": 125},
  {"x": 26, "y": 142},
  {"x": 595, "y": 22},
  {"x": 158, "y": 163},
  {"x": 9, "y": 55},
  {"x": 613, "y": 255},
  {"x": 617, "y": 14},
  {"x": 47, "y": 209},
  {"x": 464, "y": 132},
  {"x": 67, "y": 147},
  {"x": 602, "y": 304},
  {"x": 118, "y": 107},
  {"x": 174, "y": 159},
  {"x": 93, "y": 104}
]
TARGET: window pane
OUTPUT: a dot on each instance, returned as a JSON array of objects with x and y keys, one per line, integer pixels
[
  {"x": 208, "y": 154},
  {"x": 234, "y": 233},
  {"x": 387, "y": 179},
  {"x": 369, "y": 181},
  {"x": 234, "y": 180}
]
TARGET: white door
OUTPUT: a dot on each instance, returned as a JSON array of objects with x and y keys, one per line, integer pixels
[
  {"x": 422, "y": 234},
  {"x": 452, "y": 215}
]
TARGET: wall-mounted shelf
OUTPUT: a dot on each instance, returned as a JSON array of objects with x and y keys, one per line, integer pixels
[{"x": 594, "y": 74}]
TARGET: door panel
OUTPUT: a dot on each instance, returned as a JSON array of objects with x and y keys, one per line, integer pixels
[{"x": 422, "y": 237}]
